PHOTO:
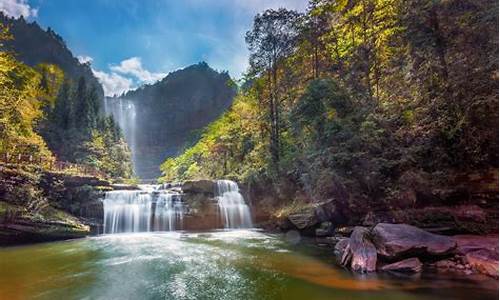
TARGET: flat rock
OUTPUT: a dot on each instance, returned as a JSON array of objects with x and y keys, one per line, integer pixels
[
  {"x": 409, "y": 265},
  {"x": 399, "y": 240}
]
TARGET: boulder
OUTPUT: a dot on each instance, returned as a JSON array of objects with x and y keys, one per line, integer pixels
[
  {"x": 200, "y": 186},
  {"x": 483, "y": 261},
  {"x": 394, "y": 241},
  {"x": 315, "y": 214},
  {"x": 409, "y": 265},
  {"x": 340, "y": 248},
  {"x": 360, "y": 253}
]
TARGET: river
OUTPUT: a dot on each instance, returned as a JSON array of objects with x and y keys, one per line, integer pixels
[{"x": 230, "y": 264}]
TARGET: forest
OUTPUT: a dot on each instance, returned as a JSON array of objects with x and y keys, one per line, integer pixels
[
  {"x": 356, "y": 157},
  {"x": 49, "y": 116},
  {"x": 375, "y": 103}
]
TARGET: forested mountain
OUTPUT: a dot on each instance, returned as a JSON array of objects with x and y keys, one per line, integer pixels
[
  {"x": 32, "y": 45},
  {"x": 377, "y": 104},
  {"x": 169, "y": 112},
  {"x": 60, "y": 116}
]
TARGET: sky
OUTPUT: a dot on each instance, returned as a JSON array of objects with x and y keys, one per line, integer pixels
[{"x": 132, "y": 42}]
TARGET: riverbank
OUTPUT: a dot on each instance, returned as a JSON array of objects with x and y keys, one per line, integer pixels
[{"x": 37, "y": 205}]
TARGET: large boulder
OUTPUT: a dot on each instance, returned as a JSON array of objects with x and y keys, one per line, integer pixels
[
  {"x": 203, "y": 186},
  {"x": 359, "y": 253},
  {"x": 395, "y": 241},
  {"x": 409, "y": 265},
  {"x": 315, "y": 214}
]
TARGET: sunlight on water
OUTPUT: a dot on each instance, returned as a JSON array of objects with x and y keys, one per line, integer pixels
[{"x": 238, "y": 264}]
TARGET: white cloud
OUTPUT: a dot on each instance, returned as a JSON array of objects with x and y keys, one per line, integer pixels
[
  {"x": 127, "y": 75},
  {"x": 112, "y": 83},
  {"x": 83, "y": 59},
  {"x": 17, "y": 8},
  {"x": 133, "y": 66}
]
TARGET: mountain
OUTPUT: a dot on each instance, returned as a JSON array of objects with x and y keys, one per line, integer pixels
[
  {"x": 33, "y": 45},
  {"x": 160, "y": 119}
]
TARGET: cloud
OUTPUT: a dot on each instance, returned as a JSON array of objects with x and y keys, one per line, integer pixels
[
  {"x": 133, "y": 66},
  {"x": 112, "y": 83},
  {"x": 17, "y": 8},
  {"x": 84, "y": 59},
  {"x": 127, "y": 75}
]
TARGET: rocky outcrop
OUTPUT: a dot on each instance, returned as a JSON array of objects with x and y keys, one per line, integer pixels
[
  {"x": 207, "y": 187},
  {"x": 38, "y": 205},
  {"x": 18, "y": 225},
  {"x": 359, "y": 252},
  {"x": 395, "y": 241},
  {"x": 409, "y": 265},
  {"x": 315, "y": 214}
]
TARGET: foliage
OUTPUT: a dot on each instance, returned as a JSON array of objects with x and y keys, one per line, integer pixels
[
  {"x": 76, "y": 131},
  {"x": 348, "y": 97},
  {"x": 23, "y": 94}
]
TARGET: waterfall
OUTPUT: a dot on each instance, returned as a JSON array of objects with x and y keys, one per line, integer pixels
[
  {"x": 125, "y": 114},
  {"x": 232, "y": 207},
  {"x": 142, "y": 211}
]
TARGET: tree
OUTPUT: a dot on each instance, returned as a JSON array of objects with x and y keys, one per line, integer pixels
[{"x": 272, "y": 38}]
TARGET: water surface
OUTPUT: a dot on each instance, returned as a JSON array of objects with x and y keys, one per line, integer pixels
[{"x": 240, "y": 264}]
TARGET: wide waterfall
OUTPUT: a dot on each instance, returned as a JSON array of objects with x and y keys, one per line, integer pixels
[
  {"x": 142, "y": 211},
  {"x": 233, "y": 209}
]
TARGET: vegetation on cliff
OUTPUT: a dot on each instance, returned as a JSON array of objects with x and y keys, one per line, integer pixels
[
  {"x": 362, "y": 101},
  {"x": 46, "y": 116}
]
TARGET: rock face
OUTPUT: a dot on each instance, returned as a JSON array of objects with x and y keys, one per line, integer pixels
[
  {"x": 359, "y": 252},
  {"x": 200, "y": 186},
  {"x": 316, "y": 214},
  {"x": 410, "y": 265},
  {"x": 394, "y": 241}
]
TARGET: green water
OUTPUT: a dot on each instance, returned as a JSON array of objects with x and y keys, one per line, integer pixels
[{"x": 216, "y": 265}]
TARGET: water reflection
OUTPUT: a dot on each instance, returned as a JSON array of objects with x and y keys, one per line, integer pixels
[{"x": 238, "y": 264}]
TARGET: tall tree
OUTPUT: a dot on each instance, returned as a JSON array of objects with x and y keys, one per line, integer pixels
[{"x": 272, "y": 39}]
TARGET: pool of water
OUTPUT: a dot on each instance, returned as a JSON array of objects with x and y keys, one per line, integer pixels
[{"x": 241, "y": 264}]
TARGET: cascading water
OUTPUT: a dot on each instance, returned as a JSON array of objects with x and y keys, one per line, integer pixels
[
  {"x": 124, "y": 112},
  {"x": 142, "y": 211},
  {"x": 232, "y": 207}
]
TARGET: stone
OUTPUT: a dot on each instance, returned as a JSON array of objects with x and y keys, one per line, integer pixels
[
  {"x": 395, "y": 241},
  {"x": 200, "y": 186},
  {"x": 468, "y": 242},
  {"x": 315, "y": 214},
  {"x": 409, "y": 265},
  {"x": 360, "y": 253},
  {"x": 340, "y": 248},
  {"x": 484, "y": 262},
  {"x": 445, "y": 264}
]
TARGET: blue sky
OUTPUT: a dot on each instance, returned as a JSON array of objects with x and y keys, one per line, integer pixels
[{"x": 130, "y": 42}]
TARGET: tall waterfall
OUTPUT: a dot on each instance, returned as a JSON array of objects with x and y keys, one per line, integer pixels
[
  {"x": 232, "y": 207},
  {"x": 124, "y": 112},
  {"x": 142, "y": 211}
]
